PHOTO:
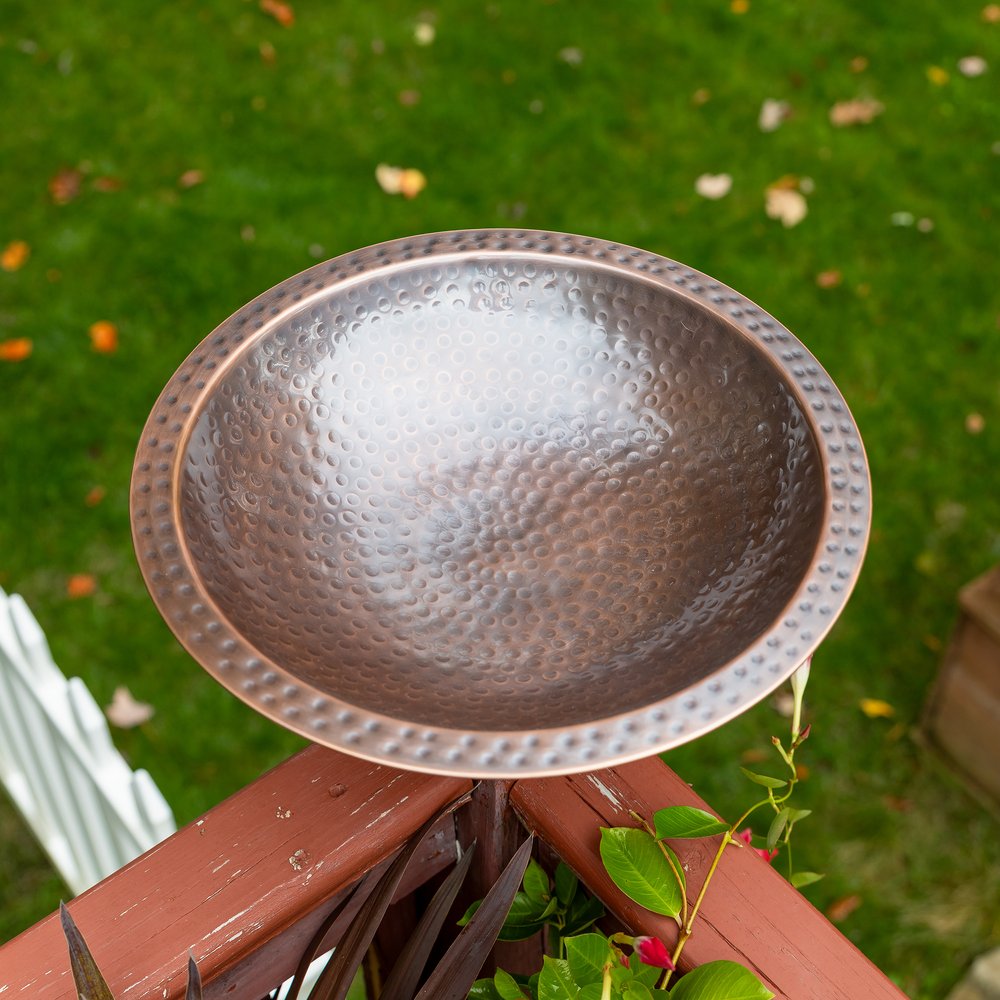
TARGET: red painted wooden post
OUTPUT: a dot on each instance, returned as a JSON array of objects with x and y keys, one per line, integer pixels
[
  {"x": 750, "y": 914},
  {"x": 243, "y": 888}
]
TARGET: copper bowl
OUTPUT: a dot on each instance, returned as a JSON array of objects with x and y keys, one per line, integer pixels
[{"x": 500, "y": 503}]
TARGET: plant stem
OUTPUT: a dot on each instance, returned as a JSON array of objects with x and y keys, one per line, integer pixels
[{"x": 727, "y": 838}]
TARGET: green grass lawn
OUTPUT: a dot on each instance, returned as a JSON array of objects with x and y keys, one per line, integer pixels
[{"x": 580, "y": 117}]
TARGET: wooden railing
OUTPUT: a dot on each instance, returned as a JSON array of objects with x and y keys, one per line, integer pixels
[{"x": 243, "y": 888}]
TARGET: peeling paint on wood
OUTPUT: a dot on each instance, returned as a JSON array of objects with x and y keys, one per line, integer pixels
[{"x": 242, "y": 893}]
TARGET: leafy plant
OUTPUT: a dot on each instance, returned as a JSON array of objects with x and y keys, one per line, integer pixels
[{"x": 590, "y": 966}]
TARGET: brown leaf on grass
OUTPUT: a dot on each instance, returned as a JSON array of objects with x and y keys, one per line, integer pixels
[
  {"x": 829, "y": 279},
  {"x": 406, "y": 181},
  {"x": 858, "y": 64},
  {"x": 786, "y": 204},
  {"x": 14, "y": 255},
  {"x": 281, "y": 12},
  {"x": 974, "y": 423},
  {"x": 875, "y": 708},
  {"x": 94, "y": 496},
  {"x": 64, "y": 185},
  {"x": 772, "y": 114},
  {"x": 972, "y": 66},
  {"x": 859, "y": 111},
  {"x": 937, "y": 75},
  {"x": 897, "y": 803},
  {"x": 408, "y": 98},
  {"x": 104, "y": 337},
  {"x": 80, "y": 585},
  {"x": 107, "y": 185},
  {"x": 15, "y": 350},
  {"x": 840, "y": 910},
  {"x": 755, "y": 755},
  {"x": 739, "y": 6},
  {"x": 267, "y": 53},
  {"x": 713, "y": 186},
  {"x": 991, "y": 13},
  {"x": 125, "y": 712},
  {"x": 190, "y": 179}
]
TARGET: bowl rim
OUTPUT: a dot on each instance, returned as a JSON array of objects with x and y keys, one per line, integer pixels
[{"x": 200, "y": 626}]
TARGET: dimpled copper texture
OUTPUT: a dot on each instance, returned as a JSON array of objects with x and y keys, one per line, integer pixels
[{"x": 500, "y": 503}]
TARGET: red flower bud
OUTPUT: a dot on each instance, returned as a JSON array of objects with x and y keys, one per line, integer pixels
[{"x": 653, "y": 952}]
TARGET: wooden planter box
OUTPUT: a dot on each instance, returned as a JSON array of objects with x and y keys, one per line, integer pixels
[{"x": 963, "y": 712}]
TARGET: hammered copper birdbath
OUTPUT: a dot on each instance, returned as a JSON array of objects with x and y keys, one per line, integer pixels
[{"x": 500, "y": 503}]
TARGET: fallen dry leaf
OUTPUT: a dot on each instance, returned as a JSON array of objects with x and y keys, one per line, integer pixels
[
  {"x": 125, "y": 712},
  {"x": 94, "y": 496},
  {"x": 875, "y": 708},
  {"x": 281, "y": 12},
  {"x": 974, "y": 423},
  {"x": 190, "y": 178},
  {"x": 858, "y": 64},
  {"x": 991, "y": 13},
  {"x": 859, "y": 111},
  {"x": 408, "y": 98},
  {"x": 755, "y": 755},
  {"x": 104, "y": 337},
  {"x": 80, "y": 585},
  {"x": 713, "y": 186},
  {"x": 64, "y": 186},
  {"x": 107, "y": 185},
  {"x": 406, "y": 181},
  {"x": 772, "y": 114},
  {"x": 701, "y": 96},
  {"x": 14, "y": 255},
  {"x": 801, "y": 771},
  {"x": 972, "y": 66},
  {"x": 897, "y": 803},
  {"x": 739, "y": 6},
  {"x": 423, "y": 33},
  {"x": 786, "y": 204},
  {"x": 829, "y": 279},
  {"x": 267, "y": 53},
  {"x": 840, "y": 910},
  {"x": 937, "y": 75},
  {"x": 15, "y": 350}
]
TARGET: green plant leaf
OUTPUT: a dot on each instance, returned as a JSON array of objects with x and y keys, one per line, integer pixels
[
  {"x": 777, "y": 825},
  {"x": 678, "y": 868},
  {"x": 633, "y": 860},
  {"x": 90, "y": 984},
  {"x": 556, "y": 981},
  {"x": 587, "y": 954},
  {"x": 582, "y": 913},
  {"x": 592, "y": 991},
  {"x": 484, "y": 989},
  {"x": 764, "y": 779},
  {"x": 525, "y": 919},
  {"x": 636, "y": 991},
  {"x": 648, "y": 975},
  {"x": 686, "y": 822},
  {"x": 566, "y": 883},
  {"x": 507, "y": 986},
  {"x": 457, "y": 970},
  {"x": 536, "y": 883},
  {"x": 794, "y": 815},
  {"x": 720, "y": 981},
  {"x": 802, "y": 879}
]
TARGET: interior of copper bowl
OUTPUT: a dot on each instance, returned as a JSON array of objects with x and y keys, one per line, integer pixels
[{"x": 499, "y": 494}]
